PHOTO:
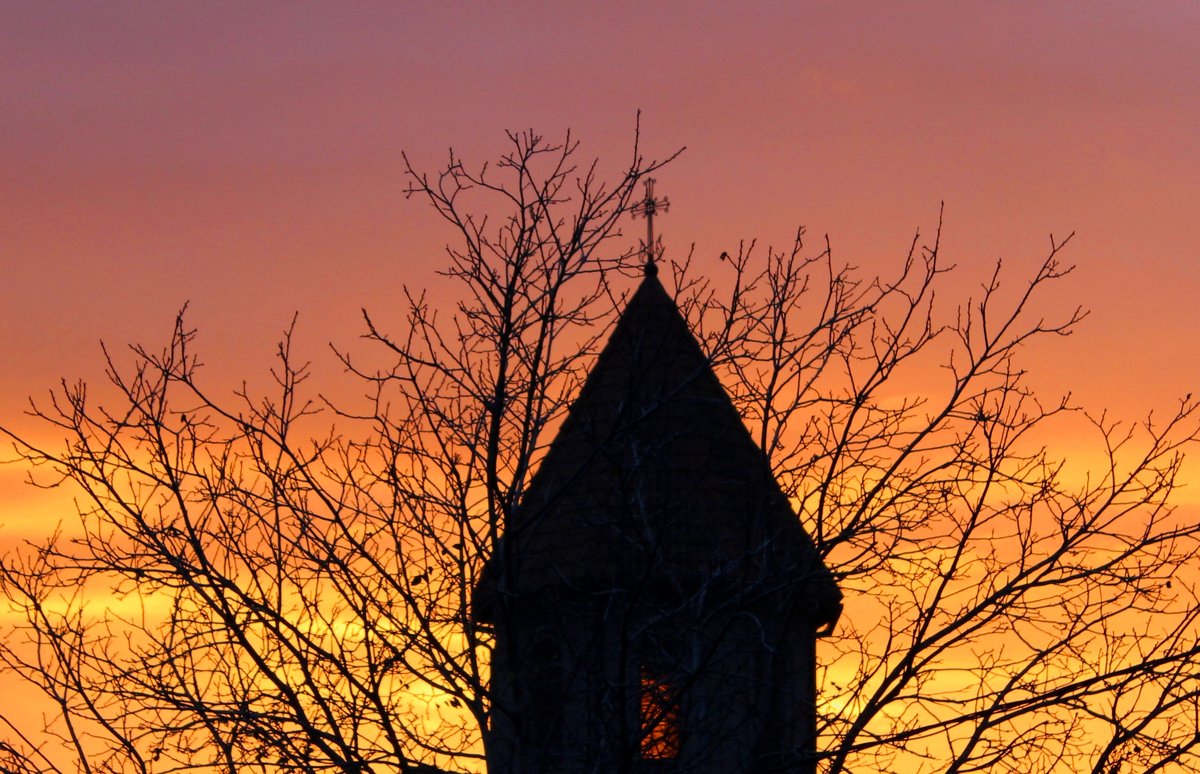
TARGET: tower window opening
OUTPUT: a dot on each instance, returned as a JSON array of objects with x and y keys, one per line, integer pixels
[
  {"x": 545, "y": 690},
  {"x": 659, "y": 711}
]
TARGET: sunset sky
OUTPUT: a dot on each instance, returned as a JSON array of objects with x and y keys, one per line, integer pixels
[{"x": 246, "y": 158}]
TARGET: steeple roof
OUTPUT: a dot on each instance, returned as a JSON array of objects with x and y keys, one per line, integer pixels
[{"x": 654, "y": 480}]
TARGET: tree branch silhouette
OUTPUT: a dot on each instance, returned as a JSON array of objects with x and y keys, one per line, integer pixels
[{"x": 283, "y": 579}]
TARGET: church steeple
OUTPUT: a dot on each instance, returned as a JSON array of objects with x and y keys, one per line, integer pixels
[
  {"x": 654, "y": 597},
  {"x": 653, "y": 472}
]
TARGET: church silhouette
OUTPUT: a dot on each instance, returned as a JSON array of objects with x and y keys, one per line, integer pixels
[{"x": 654, "y": 600}]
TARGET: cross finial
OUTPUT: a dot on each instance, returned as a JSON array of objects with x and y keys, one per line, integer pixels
[{"x": 648, "y": 207}]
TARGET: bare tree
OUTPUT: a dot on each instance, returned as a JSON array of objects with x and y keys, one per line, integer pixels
[
  {"x": 1003, "y": 614},
  {"x": 298, "y": 572}
]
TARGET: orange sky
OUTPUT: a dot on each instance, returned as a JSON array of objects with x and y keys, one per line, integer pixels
[{"x": 246, "y": 157}]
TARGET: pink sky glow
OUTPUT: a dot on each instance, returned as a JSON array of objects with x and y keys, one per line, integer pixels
[{"x": 245, "y": 158}]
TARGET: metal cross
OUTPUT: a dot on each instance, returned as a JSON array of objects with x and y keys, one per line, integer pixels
[{"x": 647, "y": 208}]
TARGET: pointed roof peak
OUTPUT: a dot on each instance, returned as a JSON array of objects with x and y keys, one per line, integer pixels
[{"x": 653, "y": 473}]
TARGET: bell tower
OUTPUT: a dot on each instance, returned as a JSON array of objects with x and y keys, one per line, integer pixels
[{"x": 655, "y": 601}]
